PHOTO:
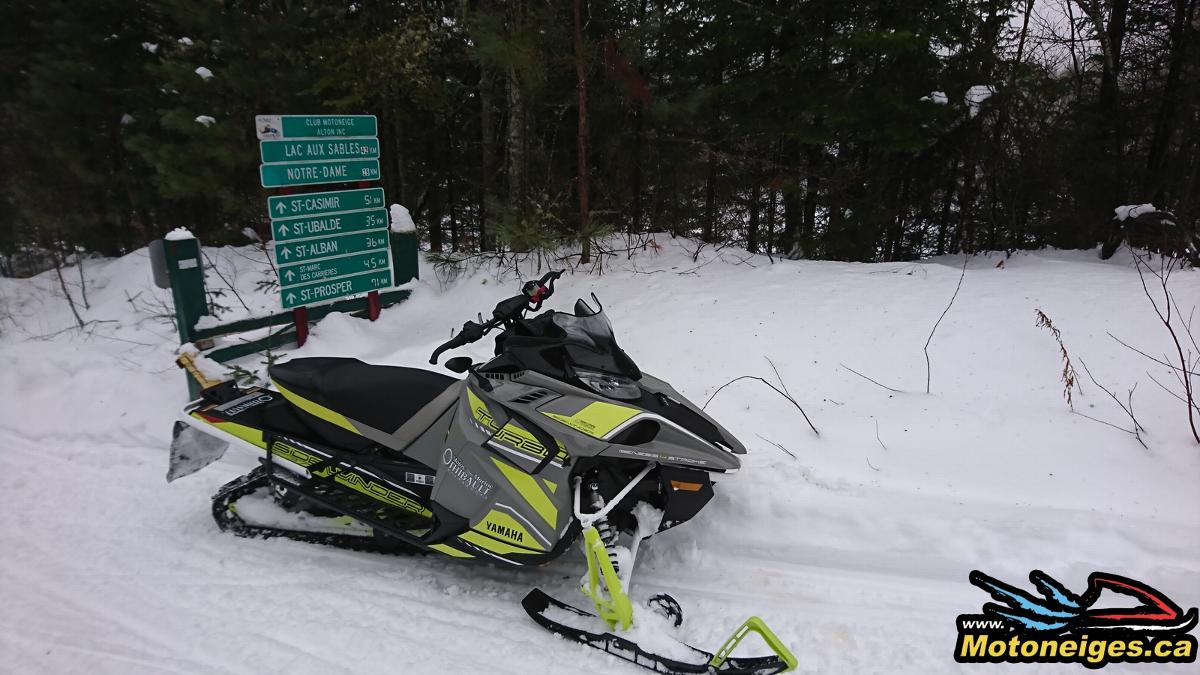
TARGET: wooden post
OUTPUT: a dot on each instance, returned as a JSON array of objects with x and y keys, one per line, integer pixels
[
  {"x": 373, "y": 307},
  {"x": 300, "y": 321}
]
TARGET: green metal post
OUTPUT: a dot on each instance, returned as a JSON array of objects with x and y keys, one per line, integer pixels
[
  {"x": 187, "y": 289},
  {"x": 404, "y": 257}
]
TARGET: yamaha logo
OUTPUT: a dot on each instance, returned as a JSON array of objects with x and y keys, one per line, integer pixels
[{"x": 506, "y": 532}]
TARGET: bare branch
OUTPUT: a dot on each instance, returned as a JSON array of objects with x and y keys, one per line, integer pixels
[
  {"x": 928, "y": 373},
  {"x": 1158, "y": 361},
  {"x": 777, "y": 390},
  {"x": 1166, "y": 266},
  {"x": 789, "y": 452},
  {"x": 870, "y": 380},
  {"x": 777, "y": 376},
  {"x": 1137, "y": 427}
]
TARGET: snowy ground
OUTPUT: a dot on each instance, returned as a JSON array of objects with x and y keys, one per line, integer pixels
[{"x": 856, "y": 550}]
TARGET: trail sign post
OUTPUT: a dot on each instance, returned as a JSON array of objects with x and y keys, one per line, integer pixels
[{"x": 328, "y": 245}]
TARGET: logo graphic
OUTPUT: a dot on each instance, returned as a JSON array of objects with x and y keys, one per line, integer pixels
[{"x": 1116, "y": 619}]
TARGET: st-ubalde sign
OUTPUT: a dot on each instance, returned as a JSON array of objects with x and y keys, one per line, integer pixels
[
  {"x": 275, "y": 127},
  {"x": 333, "y": 224}
]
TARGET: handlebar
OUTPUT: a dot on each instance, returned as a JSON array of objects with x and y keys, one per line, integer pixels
[{"x": 533, "y": 294}]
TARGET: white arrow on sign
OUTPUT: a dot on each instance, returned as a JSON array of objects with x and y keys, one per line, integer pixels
[
  {"x": 280, "y": 208},
  {"x": 283, "y": 230},
  {"x": 290, "y": 275},
  {"x": 291, "y": 298},
  {"x": 285, "y": 253}
]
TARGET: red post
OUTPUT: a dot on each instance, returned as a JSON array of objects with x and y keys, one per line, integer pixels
[
  {"x": 373, "y": 305},
  {"x": 300, "y": 321}
]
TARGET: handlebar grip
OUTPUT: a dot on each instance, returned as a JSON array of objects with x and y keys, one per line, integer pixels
[
  {"x": 470, "y": 332},
  {"x": 452, "y": 343}
]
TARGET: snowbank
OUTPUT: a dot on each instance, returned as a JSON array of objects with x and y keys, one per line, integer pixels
[{"x": 855, "y": 545}]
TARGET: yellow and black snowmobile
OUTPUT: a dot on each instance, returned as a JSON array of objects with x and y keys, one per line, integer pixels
[{"x": 559, "y": 435}]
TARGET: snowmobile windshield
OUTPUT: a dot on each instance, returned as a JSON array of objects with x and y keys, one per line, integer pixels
[
  {"x": 587, "y": 326},
  {"x": 588, "y": 337},
  {"x": 561, "y": 344}
]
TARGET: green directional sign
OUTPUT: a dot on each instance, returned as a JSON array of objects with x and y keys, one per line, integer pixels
[
  {"x": 327, "y": 269},
  {"x": 328, "y": 245},
  {"x": 275, "y": 127},
  {"x": 318, "y": 203},
  {"x": 322, "y": 291},
  {"x": 312, "y": 150},
  {"x": 325, "y": 247},
  {"x": 334, "y": 224},
  {"x": 316, "y": 173}
]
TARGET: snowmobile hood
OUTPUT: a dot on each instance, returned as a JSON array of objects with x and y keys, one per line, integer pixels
[{"x": 661, "y": 425}]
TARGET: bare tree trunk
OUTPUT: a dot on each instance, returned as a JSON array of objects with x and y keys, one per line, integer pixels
[
  {"x": 82, "y": 281},
  {"x": 487, "y": 153},
  {"x": 1164, "y": 126},
  {"x": 755, "y": 205},
  {"x": 710, "y": 199},
  {"x": 638, "y": 141},
  {"x": 772, "y": 193},
  {"x": 516, "y": 144},
  {"x": 585, "y": 255}
]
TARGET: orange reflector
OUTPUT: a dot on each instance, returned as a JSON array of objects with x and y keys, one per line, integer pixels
[{"x": 687, "y": 487}]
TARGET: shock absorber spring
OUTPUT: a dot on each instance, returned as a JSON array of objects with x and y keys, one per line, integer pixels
[{"x": 608, "y": 534}]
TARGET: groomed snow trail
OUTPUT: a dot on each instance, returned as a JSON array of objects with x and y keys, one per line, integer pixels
[{"x": 856, "y": 550}]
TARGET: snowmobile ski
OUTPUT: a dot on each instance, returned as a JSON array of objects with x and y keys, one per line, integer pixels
[{"x": 537, "y": 602}]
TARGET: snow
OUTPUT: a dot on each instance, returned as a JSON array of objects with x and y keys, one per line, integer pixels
[
  {"x": 401, "y": 220},
  {"x": 150, "y": 47},
  {"x": 179, "y": 234},
  {"x": 976, "y": 95},
  {"x": 206, "y": 120},
  {"x": 127, "y": 119},
  {"x": 855, "y": 550},
  {"x": 938, "y": 97},
  {"x": 204, "y": 73},
  {"x": 1132, "y": 211},
  {"x": 185, "y": 41}
]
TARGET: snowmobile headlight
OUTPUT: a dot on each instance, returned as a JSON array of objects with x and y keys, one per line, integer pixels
[{"x": 607, "y": 384}]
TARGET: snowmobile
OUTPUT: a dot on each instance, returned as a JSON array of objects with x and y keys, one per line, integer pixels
[{"x": 559, "y": 436}]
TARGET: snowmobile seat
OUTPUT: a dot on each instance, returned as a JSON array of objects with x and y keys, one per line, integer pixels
[{"x": 382, "y": 397}]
